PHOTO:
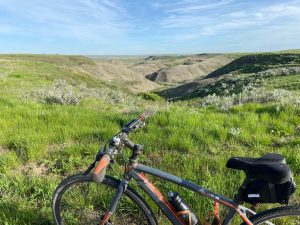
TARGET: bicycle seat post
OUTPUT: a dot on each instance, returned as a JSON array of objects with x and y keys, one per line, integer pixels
[{"x": 239, "y": 197}]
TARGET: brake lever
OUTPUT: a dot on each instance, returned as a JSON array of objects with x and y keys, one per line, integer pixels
[{"x": 100, "y": 153}]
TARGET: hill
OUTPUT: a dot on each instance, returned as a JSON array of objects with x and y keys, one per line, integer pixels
[
  {"x": 107, "y": 72},
  {"x": 187, "y": 68},
  {"x": 231, "y": 78},
  {"x": 256, "y": 63},
  {"x": 154, "y": 72}
]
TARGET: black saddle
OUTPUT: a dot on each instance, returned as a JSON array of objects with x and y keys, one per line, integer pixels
[{"x": 270, "y": 168}]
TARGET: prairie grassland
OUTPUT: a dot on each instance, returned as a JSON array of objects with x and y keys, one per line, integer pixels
[{"x": 40, "y": 144}]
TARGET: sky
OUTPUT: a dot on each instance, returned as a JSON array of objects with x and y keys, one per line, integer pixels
[{"x": 145, "y": 27}]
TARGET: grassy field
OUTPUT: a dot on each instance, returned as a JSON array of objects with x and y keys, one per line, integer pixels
[{"x": 40, "y": 143}]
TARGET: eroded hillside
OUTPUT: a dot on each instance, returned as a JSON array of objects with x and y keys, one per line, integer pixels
[
  {"x": 185, "y": 69},
  {"x": 153, "y": 72}
]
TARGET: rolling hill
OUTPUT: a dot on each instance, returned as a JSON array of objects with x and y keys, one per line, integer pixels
[
  {"x": 189, "y": 68},
  {"x": 231, "y": 78}
]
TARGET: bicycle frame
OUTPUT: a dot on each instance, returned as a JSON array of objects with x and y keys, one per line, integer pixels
[{"x": 138, "y": 171}]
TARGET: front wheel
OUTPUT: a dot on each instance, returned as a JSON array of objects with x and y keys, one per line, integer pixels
[
  {"x": 79, "y": 200},
  {"x": 285, "y": 215}
]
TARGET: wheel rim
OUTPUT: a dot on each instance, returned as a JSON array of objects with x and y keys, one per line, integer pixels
[{"x": 86, "y": 203}]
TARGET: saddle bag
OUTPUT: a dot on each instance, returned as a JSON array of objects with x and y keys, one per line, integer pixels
[{"x": 264, "y": 192}]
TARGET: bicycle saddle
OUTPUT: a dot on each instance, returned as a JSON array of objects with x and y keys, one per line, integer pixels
[{"x": 270, "y": 168}]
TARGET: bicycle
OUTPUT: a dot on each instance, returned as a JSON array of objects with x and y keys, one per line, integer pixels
[{"x": 80, "y": 199}]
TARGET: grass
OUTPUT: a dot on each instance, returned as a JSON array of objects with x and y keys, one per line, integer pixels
[
  {"x": 18, "y": 77},
  {"x": 291, "y": 82},
  {"x": 70, "y": 60},
  {"x": 41, "y": 144},
  {"x": 66, "y": 138}
]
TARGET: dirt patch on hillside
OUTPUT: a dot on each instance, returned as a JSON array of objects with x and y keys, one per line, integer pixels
[{"x": 35, "y": 169}]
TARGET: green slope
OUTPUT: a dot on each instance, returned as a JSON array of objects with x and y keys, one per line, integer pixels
[{"x": 254, "y": 63}]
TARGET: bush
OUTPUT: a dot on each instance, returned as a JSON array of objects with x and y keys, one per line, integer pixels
[
  {"x": 252, "y": 94},
  {"x": 59, "y": 93},
  {"x": 150, "y": 96},
  {"x": 282, "y": 71}
]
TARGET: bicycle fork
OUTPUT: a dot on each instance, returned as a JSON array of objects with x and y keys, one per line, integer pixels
[{"x": 115, "y": 201}]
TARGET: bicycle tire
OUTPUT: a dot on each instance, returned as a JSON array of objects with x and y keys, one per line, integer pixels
[
  {"x": 285, "y": 215},
  {"x": 64, "y": 187}
]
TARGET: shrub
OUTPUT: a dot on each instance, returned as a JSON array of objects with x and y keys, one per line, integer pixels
[
  {"x": 60, "y": 92},
  {"x": 150, "y": 96},
  {"x": 251, "y": 94},
  {"x": 282, "y": 71}
]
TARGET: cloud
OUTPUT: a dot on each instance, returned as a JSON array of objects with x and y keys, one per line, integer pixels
[
  {"x": 195, "y": 6},
  {"x": 79, "y": 19},
  {"x": 230, "y": 20},
  {"x": 120, "y": 26}
]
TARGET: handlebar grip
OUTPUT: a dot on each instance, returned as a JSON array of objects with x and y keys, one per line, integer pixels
[
  {"x": 100, "y": 170},
  {"x": 138, "y": 122}
]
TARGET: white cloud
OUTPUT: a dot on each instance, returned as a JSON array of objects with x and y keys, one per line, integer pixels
[
  {"x": 79, "y": 19},
  {"x": 195, "y": 6},
  {"x": 206, "y": 24},
  {"x": 162, "y": 24}
]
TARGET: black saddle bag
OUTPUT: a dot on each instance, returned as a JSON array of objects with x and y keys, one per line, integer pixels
[{"x": 263, "y": 192}]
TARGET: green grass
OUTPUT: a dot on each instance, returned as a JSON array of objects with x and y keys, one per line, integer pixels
[
  {"x": 70, "y": 60},
  {"x": 18, "y": 77},
  {"x": 42, "y": 144},
  {"x": 65, "y": 139},
  {"x": 291, "y": 82}
]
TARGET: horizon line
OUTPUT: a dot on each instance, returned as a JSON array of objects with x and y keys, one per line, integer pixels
[{"x": 150, "y": 54}]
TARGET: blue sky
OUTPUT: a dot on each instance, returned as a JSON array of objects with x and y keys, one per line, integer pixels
[{"x": 130, "y": 27}]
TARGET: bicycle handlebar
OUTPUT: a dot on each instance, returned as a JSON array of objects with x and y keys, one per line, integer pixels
[
  {"x": 137, "y": 123},
  {"x": 100, "y": 170}
]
